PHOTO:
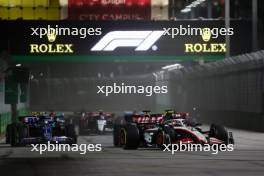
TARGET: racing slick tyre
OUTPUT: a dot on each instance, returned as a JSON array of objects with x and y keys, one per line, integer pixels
[
  {"x": 14, "y": 136},
  {"x": 83, "y": 132},
  {"x": 129, "y": 137},
  {"x": 116, "y": 135},
  {"x": 170, "y": 132},
  {"x": 17, "y": 133},
  {"x": 218, "y": 132},
  {"x": 8, "y": 134},
  {"x": 230, "y": 138},
  {"x": 70, "y": 132},
  {"x": 162, "y": 139}
]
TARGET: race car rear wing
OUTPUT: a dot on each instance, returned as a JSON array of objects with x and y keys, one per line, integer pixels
[
  {"x": 154, "y": 118},
  {"x": 28, "y": 119},
  {"x": 181, "y": 115},
  {"x": 107, "y": 114},
  {"x": 147, "y": 119}
]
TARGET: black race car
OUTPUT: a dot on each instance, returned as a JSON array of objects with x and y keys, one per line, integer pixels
[
  {"x": 154, "y": 130},
  {"x": 95, "y": 122}
]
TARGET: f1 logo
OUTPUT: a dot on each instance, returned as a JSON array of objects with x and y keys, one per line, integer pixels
[{"x": 142, "y": 40}]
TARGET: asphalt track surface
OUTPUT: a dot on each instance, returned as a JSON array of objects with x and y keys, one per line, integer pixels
[{"x": 246, "y": 160}]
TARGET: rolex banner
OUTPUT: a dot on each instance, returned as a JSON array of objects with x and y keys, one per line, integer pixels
[{"x": 126, "y": 38}]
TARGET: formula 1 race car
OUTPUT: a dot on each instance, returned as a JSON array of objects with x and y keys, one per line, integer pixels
[
  {"x": 95, "y": 122},
  {"x": 40, "y": 129},
  {"x": 155, "y": 130}
]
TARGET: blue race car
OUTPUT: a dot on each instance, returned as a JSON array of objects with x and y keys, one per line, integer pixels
[{"x": 40, "y": 129}]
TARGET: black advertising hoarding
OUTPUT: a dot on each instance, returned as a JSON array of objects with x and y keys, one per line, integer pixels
[{"x": 124, "y": 38}]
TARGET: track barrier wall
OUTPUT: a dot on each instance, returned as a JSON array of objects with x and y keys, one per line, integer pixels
[{"x": 228, "y": 92}]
